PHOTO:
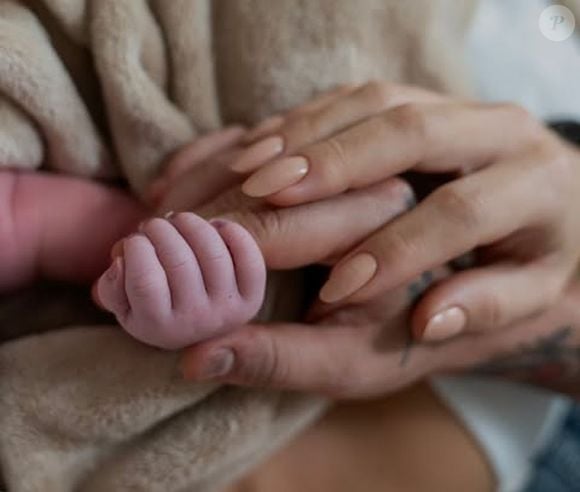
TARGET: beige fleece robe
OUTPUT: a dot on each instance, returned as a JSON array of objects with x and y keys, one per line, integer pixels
[{"x": 104, "y": 87}]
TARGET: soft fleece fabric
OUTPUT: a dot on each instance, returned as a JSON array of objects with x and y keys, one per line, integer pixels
[{"x": 113, "y": 87}]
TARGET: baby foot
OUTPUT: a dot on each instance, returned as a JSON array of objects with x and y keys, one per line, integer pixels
[{"x": 183, "y": 279}]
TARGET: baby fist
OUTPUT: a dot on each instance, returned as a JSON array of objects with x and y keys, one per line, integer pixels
[{"x": 183, "y": 279}]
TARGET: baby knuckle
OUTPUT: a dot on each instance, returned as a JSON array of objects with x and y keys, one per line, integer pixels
[
  {"x": 143, "y": 286},
  {"x": 176, "y": 264}
]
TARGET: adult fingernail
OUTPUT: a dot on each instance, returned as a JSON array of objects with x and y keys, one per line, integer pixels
[
  {"x": 445, "y": 324},
  {"x": 276, "y": 177},
  {"x": 218, "y": 364},
  {"x": 259, "y": 153},
  {"x": 349, "y": 277},
  {"x": 266, "y": 126}
]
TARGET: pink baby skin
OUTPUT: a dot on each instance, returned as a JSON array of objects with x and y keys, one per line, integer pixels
[{"x": 174, "y": 282}]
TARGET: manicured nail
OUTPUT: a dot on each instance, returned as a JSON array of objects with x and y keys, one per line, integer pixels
[
  {"x": 266, "y": 126},
  {"x": 258, "y": 154},
  {"x": 445, "y": 324},
  {"x": 276, "y": 177},
  {"x": 349, "y": 277},
  {"x": 219, "y": 363}
]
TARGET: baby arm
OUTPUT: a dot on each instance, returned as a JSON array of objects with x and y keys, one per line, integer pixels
[
  {"x": 59, "y": 227},
  {"x": 182, "y": 279}
]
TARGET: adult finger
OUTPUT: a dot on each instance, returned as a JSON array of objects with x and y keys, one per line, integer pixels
[
  {"x": 317, "y": 232},
  {"x": 199, "y": 150},
  {"x": 321, "y": 120},
  {"x": 338, "y": 361},
  {"x": 274, "y": 122},
  {"x": 187, "y": 192},
  {"x": 487, "y": 298},
  {"x": 447, "y": 137},
  {"x": 453, "y": 220}
]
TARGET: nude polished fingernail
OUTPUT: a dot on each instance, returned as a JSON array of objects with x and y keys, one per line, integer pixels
[
  {"x": 257, "y": 154},
  {"x": 276, "y": 177},
  {"x": 219, "y": 363},
  {"x": 445, "y": 324},
  {"x": 349, "y": 277}
]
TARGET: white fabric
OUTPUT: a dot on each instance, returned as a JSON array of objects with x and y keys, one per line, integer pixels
[
  {"x": 511, "y": 422},
  {"x": 511, "y": 60}
]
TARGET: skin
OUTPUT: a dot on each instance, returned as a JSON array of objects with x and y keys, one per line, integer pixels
[
  {"x": 178, "y": 281},
  {"x": 515, "y": 197},
  {"x": 182, "y": 279},
  {"x": 378, "y": 446},
  {"x": 47, "y": 228},
  {"x": 365, "y": 351},
  {"x": 275, "y": 355}
]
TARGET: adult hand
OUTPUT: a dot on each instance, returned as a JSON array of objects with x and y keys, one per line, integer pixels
[
  {"x": 516, "y": 199},
  {"x": 344, "y": 351},
  {"x": 364, "y": 350}
]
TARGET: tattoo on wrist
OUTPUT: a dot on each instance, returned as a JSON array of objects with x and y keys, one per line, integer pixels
[{"x": 549, "y": 361}]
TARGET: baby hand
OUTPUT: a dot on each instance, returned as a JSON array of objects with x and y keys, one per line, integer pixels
[{"x": 182, "y": 280}]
